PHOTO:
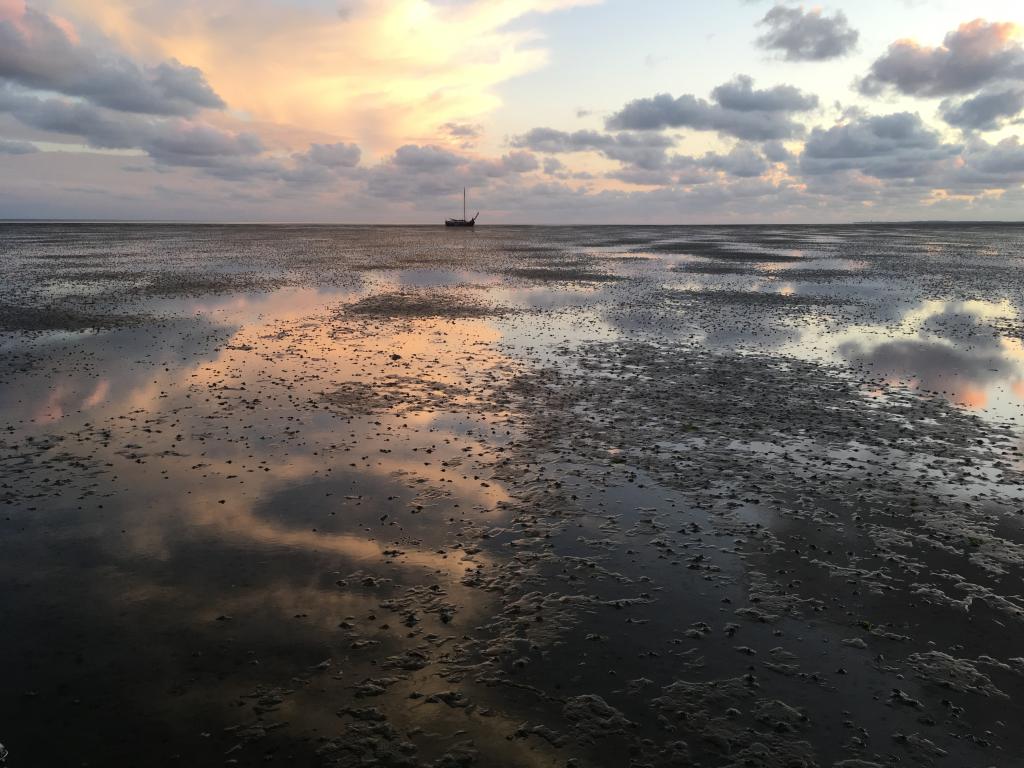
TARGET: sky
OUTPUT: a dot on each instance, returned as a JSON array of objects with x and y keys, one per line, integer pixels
[{"x": 549, "y": 111}]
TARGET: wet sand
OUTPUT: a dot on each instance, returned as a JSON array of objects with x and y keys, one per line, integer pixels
[{"x": 638, "y": 496}]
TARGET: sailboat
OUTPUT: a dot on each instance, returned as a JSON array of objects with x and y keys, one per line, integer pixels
[{"x": 463, "y": 222}]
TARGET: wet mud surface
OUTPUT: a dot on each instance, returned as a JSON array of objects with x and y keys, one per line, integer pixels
[{"x": 312, "y": 496}]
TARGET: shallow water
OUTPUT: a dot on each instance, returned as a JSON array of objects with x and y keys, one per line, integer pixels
[{"x": 515, "y": 496}]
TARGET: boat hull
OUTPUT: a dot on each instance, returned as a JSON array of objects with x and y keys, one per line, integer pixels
[{"x": 459, "y": 223}]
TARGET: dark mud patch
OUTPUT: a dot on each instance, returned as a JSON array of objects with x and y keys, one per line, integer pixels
[
  {"x": 562, "y": 275},
  {"x": 203, "y": 284},
  {"x": 714, "y": 269},
  {"x": 56, "y": 318},
  {"x": 411, "y": 305},
  {"x": 819, "y": 275},
  {"x": 365, "y": 263}
]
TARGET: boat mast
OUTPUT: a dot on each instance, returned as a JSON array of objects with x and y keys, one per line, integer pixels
[{"x": 463, "y": 203}]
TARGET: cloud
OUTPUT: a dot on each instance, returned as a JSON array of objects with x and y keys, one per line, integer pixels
[
  {"x": 379, "y": 73},
  {"x": 416, "y": 172},
  {"x": 339, "y": 155},
  {"x": 428, "y": 158},
  {"x": 39, "y": 53},
  {"x": 739, "y": 95},
  {"x": 463, "y": 135},
  {"x": 897, "y": 162},
  {"x": 987, "y": 111},
  {"x": 177, "y": 142},
  {"x": 991, "y": 166},
  {"x": 554, "y": 167},
  {"x": 98, "y": 128},
  {"x": 738, "y": 110},
  {"x": 646, "y": 177},
  {"x": 412, "y": 77},
  {"x": 463, "y": 130},
  {"x": 742, "y": 161},
  {"x": 641, "y": 150},
  {"x": 807, "y": 36},
  {"x": 320, "y": 164},
  {"x": 683, "y": 191},
  {"x": 8, "y": 147},
  {"x": 975, "y": 55},
  {"x": 896, "y": 146},
  {"x": 776, "y": 151},
  {"x": 513, "y": 162}
]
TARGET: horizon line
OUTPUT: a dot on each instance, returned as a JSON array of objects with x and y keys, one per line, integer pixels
[{"x": 241, "y": 222}]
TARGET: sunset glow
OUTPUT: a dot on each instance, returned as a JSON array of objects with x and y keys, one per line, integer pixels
[{"x": 295, "y": 110}]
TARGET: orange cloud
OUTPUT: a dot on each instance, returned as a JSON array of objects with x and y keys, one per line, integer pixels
[{"x": 381, "y": 74}]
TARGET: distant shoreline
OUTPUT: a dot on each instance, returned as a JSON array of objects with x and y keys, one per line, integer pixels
[{"x": 185, "y": 223}]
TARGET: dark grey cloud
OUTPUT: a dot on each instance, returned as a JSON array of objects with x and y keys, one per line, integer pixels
[
  {"x": 36, "y": 53},
  {"x": 177, "y": 142},
  {"x": 738, "y": 110},
  {"x": 554, "y": 167},
  {"x": 319, "y": 164},
  {"x": 98, "y": 128},
  {"x": 513, "y": 162},
  {"x": 689, "y": 194},
  {"x": 644, "y": 156},
  {"x": 991, "y": 166},
  {"x": 740, "y": 199},
  {"x": 904, "y": 173},
  {"x": 426, "y": 158},
  {"x": 776, "y": 151},
  {"x": 975, "y": 55},
  {"x": 417, "y": 172},
  {"x": 645, "y": 177},
  {"x": 986, "y": 111},
  {"x": 463, "y": 130},
  {"x": 467, "y": 135},
  {"x": 807, "y": 36},
  {"x": 897, "y": 146},
  {"x": 169, "y": 141},
  {"x": 9, "y": 147},
  {"x": 195, "y": 144},
  {"x": 743, "y": 161},
  {"x": 740, "y": 95},
  {"x": 333, "y": 155},
  {"x": 641, "y": 150}
]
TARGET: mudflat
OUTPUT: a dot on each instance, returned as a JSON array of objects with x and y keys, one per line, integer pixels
[{"x": 512, "y": 496}]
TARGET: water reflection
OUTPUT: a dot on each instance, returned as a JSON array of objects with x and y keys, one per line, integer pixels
[
  {"x": 947, "y": 349},
  {"x": 957, "y": 350},
  {"x": 248, "y": 512},
  {"x": 234, "y": 502}
]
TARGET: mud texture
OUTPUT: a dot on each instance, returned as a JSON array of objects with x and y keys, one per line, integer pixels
[{"x": 741, "y": 497}]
